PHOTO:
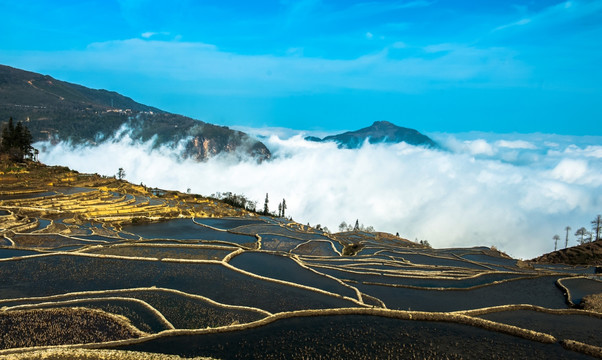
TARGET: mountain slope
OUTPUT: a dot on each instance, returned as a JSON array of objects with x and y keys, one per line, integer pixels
[
  {"x": 379, "y": 132},
  {"x": 584, "y": 254},
  {"x": 60, "y": 111}
]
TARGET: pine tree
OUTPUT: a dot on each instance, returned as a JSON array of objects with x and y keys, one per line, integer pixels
[
  {"x": 283, "y": 207},
  {"x": 8, "y": 136},
  {"x": 16, "y": 141},
  {"x": 357, "y": 225}
]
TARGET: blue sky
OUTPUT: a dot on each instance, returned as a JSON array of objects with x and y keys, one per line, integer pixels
[{"x": 437, "y": 66}]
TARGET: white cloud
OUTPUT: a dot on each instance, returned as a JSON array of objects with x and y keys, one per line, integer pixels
[
  {"x": 516, "y": 144},
  {"x": 570, "y": 170},
  {"x": 449, "y": 198},
  {"x": 479, "y": 147}
]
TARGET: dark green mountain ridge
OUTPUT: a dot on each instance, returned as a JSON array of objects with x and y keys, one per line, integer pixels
[
  {"x": 55, "y": 110},
  {"x": 378, "y": 132}
]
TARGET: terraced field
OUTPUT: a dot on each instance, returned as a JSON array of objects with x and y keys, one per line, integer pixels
[{"x": 109, "y": 270}]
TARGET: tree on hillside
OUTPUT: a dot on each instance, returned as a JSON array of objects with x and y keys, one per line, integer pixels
[
  {"x": 596, "y": 227},
  {"x": 566, "y": 242},
  {"x": 121, "y": 173},
  {"x": 343, "y": 226},
  {"x": 556, "y": 238},
  {"x": 283, "y": 207},
  {"x": 16, "y": 141},
  {"x": 357, "y": 225},
  {"x": 583, "y": 233}
]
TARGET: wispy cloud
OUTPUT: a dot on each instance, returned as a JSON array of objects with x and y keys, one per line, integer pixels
[
  {"x": 299, "y": 11},
  {"x": 150, "y": 34},
  {"x": 378, "y": 7},
  {"x": 516, "y": 23},
  {"x": 568, "y": 11},
  {"x": 203, "y": 68}
]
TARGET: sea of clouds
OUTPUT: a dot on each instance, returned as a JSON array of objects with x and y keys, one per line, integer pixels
[{"x": 512, "y": 191}]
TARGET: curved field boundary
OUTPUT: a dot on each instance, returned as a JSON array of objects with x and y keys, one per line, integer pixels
[
  {"x": 209, "y": 226},
  {"x": 12, "y": 243},
  {"x": 295, "y": 285},
  {"x": 142, "y": 244},
  {"x": 566, "y": 290},
  {"x": 65, "y": 236},
  {"x": 358, "y": 293},
  {"x": 23, "y": 227},
  {"x": 401, "y": 274},
  {"x": 118, "y": 257},
  {"x": 486, "y": 265},
  {"x": 428, "y": 275},
  {"x": 514, "y": 307},
  {"x": 19, "y": 192},
  {"x": 143, "y": 289},
  {"x": 319, "y": 240},
  {"x": 259, "y": 239},
  {"x": 233, "y": 254},
  {"x": 302, "y": 265},
  {"x": 395, "y": 314},
  {"x": 370, "y": 260},
  {"x": 33, "y": 208},
  {"x": 452, "y": 258},
  {"x": 92, "y": 354},
  {"x": 241, "y": 228},
  {"x": 189, "y": 242},
  {"x": 146, "y": 305},
  {"x": 582, "y": 348},
  {"x": 493, "y": 283}
]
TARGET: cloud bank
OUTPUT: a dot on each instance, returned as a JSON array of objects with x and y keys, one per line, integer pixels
[{"x": 514, "y": 193}]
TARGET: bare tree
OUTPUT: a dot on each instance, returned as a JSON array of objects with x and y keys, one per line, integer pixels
[
  {"x": 121, "y": 174},
  {"x": 556, "y": 238},
  {"x": 566, "y": 242},
  {"x": 343, "y": 226},
  {"x": 596, "y": 227},
  {"x": 583, "y": 233}
]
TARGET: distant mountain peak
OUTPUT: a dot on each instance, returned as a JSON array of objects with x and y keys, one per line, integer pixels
[
  {"x": 379, "y": 132},
  {"x": 383, "y": 123}
]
